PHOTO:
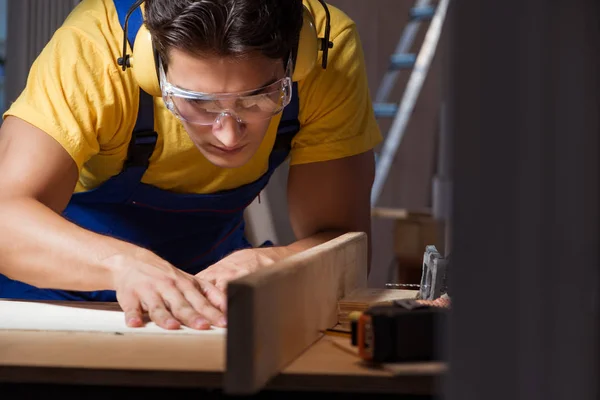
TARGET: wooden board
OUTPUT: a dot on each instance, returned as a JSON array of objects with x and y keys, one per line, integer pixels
[
  {"x": 277, "y": 313},
  {"x": 41, "y": 340},
  {"x": 100, "y": 358},
  {"x": 362, "y": 298}
]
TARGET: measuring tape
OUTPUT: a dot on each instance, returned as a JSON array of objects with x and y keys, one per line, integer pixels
[{"x": 406, "y": 331}]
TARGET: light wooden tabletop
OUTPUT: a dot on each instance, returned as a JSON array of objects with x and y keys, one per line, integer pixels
[
  {"x": 192, "y": 361},
  {"x": 116, "y": 356}
]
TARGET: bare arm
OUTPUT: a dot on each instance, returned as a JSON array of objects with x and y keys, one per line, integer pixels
[
  {"x": 327, "y": 199},
  {"x": 40, "y": 247},
  {"x": 37, "y": 245}
]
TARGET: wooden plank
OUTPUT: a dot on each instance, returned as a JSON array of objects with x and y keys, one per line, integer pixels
[
  {"x": 41, "y": 340},
  {"x": 111, "y": 359},
  {"x": 277, "y": 313},
  {"x": 362, "y": 298}
]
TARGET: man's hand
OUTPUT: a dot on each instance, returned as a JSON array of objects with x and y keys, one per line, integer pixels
[
  {"x": 241, "y": 263},
  {"x": 145, "y": 282}
]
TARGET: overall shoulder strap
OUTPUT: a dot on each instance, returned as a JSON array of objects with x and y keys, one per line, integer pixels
[
  {"x": 143, "y": 138},
  {"x": 289, "y": 124}
]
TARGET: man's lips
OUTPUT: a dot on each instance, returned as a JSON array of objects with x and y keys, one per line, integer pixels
[{"x": 227, "y": 150}]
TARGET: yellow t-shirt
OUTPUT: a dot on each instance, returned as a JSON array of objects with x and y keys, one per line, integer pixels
[{"x": 78, "y": 94}]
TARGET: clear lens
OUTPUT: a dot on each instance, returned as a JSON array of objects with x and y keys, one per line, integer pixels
[
  {"x": 251, "y": 108},
  {"x": 205, "y": 108}
]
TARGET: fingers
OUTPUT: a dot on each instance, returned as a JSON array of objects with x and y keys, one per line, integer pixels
[
  {"x": 131, "y": 306},
  {"x": 184, "y": 310},
  {"x": 171, "y": 302},
  {"x": 213, "y": 294},
  {"x": 202, "y": 297},
  {"x": 158, "y": 311}
]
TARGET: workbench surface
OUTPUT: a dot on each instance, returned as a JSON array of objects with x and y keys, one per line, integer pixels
[{"x": 191, "y": 361}]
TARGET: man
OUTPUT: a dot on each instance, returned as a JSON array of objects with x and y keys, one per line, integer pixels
[{"x": 109, "y": 194}]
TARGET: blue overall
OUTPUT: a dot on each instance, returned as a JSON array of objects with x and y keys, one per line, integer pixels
[{"x": 190, "y": 231}]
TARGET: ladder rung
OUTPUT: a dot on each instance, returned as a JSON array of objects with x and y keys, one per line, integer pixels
[
  {"x": 422, "y": 13},
  {"x": 385, "y": 110},
  {"x": 402, "y": 61}
]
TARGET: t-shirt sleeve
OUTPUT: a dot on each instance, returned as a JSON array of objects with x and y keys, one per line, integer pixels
[
  {"x": 72, "y": 93},
  {"x": 336, "y": 112}
]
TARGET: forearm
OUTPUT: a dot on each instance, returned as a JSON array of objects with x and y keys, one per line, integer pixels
[{"x": 43, "y": 249}]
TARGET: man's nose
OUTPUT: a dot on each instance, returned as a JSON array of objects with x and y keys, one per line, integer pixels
[{"x": 228, "y": 130}]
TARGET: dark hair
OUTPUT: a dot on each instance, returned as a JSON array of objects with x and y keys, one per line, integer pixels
[{"x": 225, "y": 28}]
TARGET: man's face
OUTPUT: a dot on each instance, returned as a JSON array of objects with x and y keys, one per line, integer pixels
[{"x": 231, "y": 141}]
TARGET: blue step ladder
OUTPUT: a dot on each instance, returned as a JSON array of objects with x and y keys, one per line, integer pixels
[{"x": 418, "y": 66}]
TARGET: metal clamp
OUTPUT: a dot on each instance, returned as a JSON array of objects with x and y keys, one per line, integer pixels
[
  {"x": 434, "y": 281},
  {"x": 434, "y": 276}
]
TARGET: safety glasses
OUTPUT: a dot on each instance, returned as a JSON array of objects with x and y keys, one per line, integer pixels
[{"x": 208, "y": 108}]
